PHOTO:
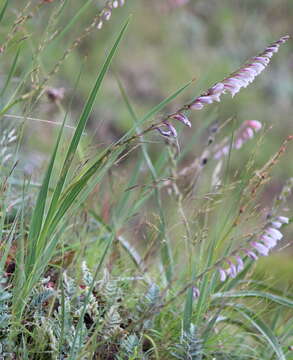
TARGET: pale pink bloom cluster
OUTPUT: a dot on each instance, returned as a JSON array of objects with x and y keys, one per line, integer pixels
[
  {"x": 107, "y": 11},
  {"x": 245, "y": 133},
  {"x": 240, "y": 78},
  {"x": 232, "y": 84},
  {"x": 265, "y": 243}
]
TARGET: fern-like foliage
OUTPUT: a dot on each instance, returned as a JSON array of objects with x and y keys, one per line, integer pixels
[
  {"x": 129, "y": 347},
  {"x": 147, "y": 305},
  {"x": 190, "y": 346},
  {"x": 53, "y": 317}
]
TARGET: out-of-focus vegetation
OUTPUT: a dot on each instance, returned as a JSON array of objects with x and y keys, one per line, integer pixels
[{"x": 153, "y": 239}]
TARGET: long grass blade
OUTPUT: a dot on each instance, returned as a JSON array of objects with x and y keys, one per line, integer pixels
[
  {"x": 258, "y": 294},
  {"x": 81, "y": 126},
  {"x": 259, "y": 325},
  {"x": 2, "y": 11},
  {"x": 11, "y": 71}
]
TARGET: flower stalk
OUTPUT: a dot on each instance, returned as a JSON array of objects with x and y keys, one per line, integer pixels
[{"x": 232, "y": 84}]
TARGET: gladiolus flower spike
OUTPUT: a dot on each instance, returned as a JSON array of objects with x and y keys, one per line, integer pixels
[
  {"x": 267, "y": 240},
  {"x": 240, "y": 78},
  {"x": 231, "y": 84}
]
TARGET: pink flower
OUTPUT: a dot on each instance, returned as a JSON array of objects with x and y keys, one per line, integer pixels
[
  {"x": 182, "y": 118},
  {"x": 106, "y": 14},
  {"x": 244, "y": 133},
  {"x": 196, "y": 105},
  {"x": 274, "y": 233},
  {"x": 262, "y": 59},
  {"x": 205, "y": 99},
  {"x": 276, "y": 224},
  {"x": 254, "y": 124},
  {"x": 231, "y": 271},
  {"x": 99, "y": 25},
  {"x": 283, "y": 219},
  {"x": 268, "y": 241},
  {"x": 170, "y": 132},
  {"x": 251, "y": 254},
  {"x": 262, "y": 249},
  {"x": 240, "y": 264},
  {"x": 223, "y": 275},
  {"x": 239, "y": 79},
  {"x": 233, "y": 85}
]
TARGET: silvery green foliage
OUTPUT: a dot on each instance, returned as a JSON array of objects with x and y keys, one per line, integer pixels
[
  {"x": 5, "y": 296},
  {"x": 129, "y": 347},
  {"x": 108, "y": 288},
  {"x": 53, "y": 313},
  {"x": 5, "y": 314},
  {"x": 147, "y": 304},
  {"x": 190, "y": 346},
  {"x": 101, "y": 312}
]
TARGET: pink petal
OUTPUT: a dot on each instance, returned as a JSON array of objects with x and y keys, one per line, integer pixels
[
  {"x": 258, "y": 67},
  {"x": 268, "y": 241},
  {"x": 196, "y": 105},
  {"x": 263, "y": 59},
  {"x": 163, "y": 132},
  {"x": 283, "y": 39},
  {"x": 274, "y": 233},
  {"x": 233, "y": 90},
  {"x": 268, "y": 53},
  {"x": 251, "y": 254},
  {"x": 238, "y": 143},
  {"x": 216, "y": 89},
  {"x": 231, "y": 271},
  {"x": 283, "y": 219},
  {"x": 182, "y": 118},
  {"x": 225, "y": 150},
  {"x": 262, "y": 250},
  {"x": 106, "y": 15},
  {"x": 205, "y": 99},
  {"x": 256, "y": 125},
  {"x": 245, "y": 80},
  {"x": 223, "y": 275},
  {"x": 249, "y": 72},
  {"x": 273, "y": 48},
  {"x": 99, "y": 25},
  {"x": 276, "y": 224},
  {"x": 240, "y": 263},
  {"x": 171, "y": 128},
  {"x": 218, "y": 154},
  {"x": 216, "y": 97},
  {"x": 248, "y": 134}
]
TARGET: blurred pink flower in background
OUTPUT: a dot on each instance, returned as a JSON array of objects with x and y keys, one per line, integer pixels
[{"x": 244, "y": 133}]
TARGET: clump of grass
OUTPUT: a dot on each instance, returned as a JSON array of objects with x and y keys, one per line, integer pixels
[{"x": 162, "y": 265}]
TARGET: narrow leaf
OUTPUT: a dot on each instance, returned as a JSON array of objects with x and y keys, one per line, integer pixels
[
  {"x": 266, "y": 332},
  {"x": 2, "y": 11},
  {"x": 241, "y": 294}
]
